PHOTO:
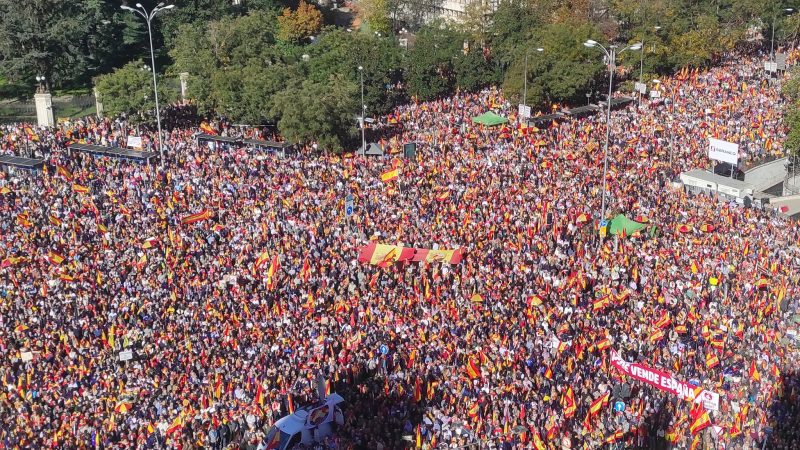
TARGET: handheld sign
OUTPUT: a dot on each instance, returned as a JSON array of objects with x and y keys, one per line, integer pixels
[{"x": 619, "y": 407}]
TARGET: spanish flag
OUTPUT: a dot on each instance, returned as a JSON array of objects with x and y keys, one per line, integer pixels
[
  {"x": 711, "y": 360},
  {"x": 702, "y": 422},
  {"x": 80, "y": 189},
  {"x": 273, "y": 266},
  {"x": 569, "y": 403},
  {"x": 55, "y": 258},
  {"x": 753, "y": 372},
  {"x": 61, "y": 170},
  {"x": 197, "y": 217},
  {"x": 597, "y": 405},
  {"x": 55, "y": 221},
  {"x": 390, "y": 175},
  {"x": 473, "y": 370},
  {"x": 417, "y": 390},
  {"x": 175, "y": 427},
  {"x": 474, "y": 410},
  {"x": 207, "y": 129},
  {"x": 538, "y": 444},
  {"x": 262, "y": 258},
  {"x": 259, "y": 399}
]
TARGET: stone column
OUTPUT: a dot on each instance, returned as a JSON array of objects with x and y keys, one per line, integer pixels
[
  {"x": 98, "y": 105},
  {"x": 184, "y": 82},
  {"x": 44, "y": 109}
]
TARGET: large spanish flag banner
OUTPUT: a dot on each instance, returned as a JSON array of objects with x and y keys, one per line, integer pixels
[
  {"x": 382, "y": 254},
  {"x": 197, "y": 217}
]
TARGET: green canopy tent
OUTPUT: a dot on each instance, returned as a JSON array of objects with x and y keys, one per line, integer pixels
[
  {"x": 621, "y": 223},
  {"x": 489, "y": 119}
]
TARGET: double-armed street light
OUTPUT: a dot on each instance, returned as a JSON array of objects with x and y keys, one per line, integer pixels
[
  {"x": 148, "y": 17},
  {"x": 611, "y": 54}
]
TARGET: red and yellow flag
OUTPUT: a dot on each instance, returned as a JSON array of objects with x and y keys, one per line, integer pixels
[
  {"x": 197, "y": 217},
  {"x": 473, "y": 370},
  {"x": 390, "y": 175},
  {"x": 702, "y": 422},
  {"x": 54, "y": 258}
]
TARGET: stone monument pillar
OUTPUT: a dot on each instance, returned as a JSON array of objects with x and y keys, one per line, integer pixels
[
  {"x": 98, "y": 105},
  {"x": 184, "y": 83},
  {"x": 44, "y": 108}
]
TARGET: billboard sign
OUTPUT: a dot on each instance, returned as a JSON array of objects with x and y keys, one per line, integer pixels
[{"x": 723, "y": 151}]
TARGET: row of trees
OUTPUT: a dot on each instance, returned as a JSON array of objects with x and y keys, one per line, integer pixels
[{"x": 276, "y": 61}]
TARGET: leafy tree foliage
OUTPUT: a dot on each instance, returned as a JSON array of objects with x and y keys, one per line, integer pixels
[
  {"x": 302, "y": 23},
  {"x": 318, "y": 111},
  {"x": 64, "y": 41},
  {"x": 430, "y": 72},
  {"x": 340, "y": 52},
  {"x": 376, "y": 14},
  {"x": 562, "y": 72},
  {"x": 129, "y": 90}
]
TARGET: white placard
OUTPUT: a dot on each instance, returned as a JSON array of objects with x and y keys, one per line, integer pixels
[
  {"x": 126, "y": 355},
  {"x": 771, "y": 66},
  {"x": 640, "y": 87},
  {"x": 723, "y": 151},
  {"x": 135, "y": 142},
  {"x": 655, "y": 94},
  {"x": 26, "y": 356},
  {"x": 524, "y": 111}
]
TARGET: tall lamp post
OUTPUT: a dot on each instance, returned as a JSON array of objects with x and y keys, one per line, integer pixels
[
  {"x": 772, "y": 39},
  {"x": 611, "y": 53},
  {"x": 525, "y": 90},
  {"x": 148, "y": 17},
  {"x": 641, "y": 67},
  {"x": 363, "y": 109}
]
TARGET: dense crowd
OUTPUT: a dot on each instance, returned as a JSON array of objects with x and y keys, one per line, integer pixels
[{"x": 232, "y": 277}]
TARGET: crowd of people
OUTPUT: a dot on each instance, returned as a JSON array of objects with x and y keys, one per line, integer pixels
[{"x": 192, "y": 305}]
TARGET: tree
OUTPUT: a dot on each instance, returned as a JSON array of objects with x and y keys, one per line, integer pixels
[
  {"x": 474, "y": 70},
  {"x": 215, "y": 54},
  {"x": 64, "y": 41},
  {"x": 338, "y": 52},
  {"x": 563, "y": 72},
  {"x": 376, "y": 14},
  {"x": 201, "y": 12},
  {"x": 430, "y": 73},
  {"x": 320, "y": 112},
  {"x": 477, "y": 20},
  {"x": 129, "y": 90},
  {"x": 304, "y": 22}
]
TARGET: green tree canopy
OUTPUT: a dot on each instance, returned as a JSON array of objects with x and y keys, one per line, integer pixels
[
  {"x": 129, "y": 90},
  {"x": 338, "y": 52},
  {"x": 430, "y": 72},
  {"x": 562, "y": 72},
  {"x": 64, "y": 41},
  {"x": 318, "y": 111}
]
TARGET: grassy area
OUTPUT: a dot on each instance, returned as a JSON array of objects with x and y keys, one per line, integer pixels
[{"x": 74, "y": 91}]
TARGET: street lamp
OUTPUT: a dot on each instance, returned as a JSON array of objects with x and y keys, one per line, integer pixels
[
  {"x": 611, "y": 53},
  {"x": 40, "y": 79},
  {"x": 525, "y": 94},
  {"x": 641, "y": 66},
  {"x": 363, "y": 109},
  {"x": 148, "y": 17},
  {"x": 772, "y": 43}
]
